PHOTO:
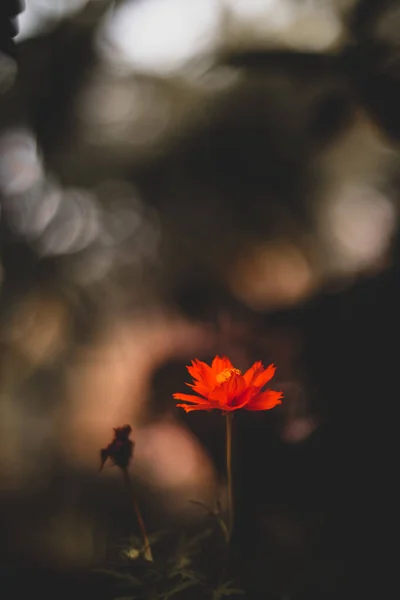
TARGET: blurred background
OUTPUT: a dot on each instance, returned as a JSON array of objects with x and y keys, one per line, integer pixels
[{"x": 180, "y": 179}]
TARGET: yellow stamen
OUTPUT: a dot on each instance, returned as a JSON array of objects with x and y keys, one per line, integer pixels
[{"x": 226, "y": 374}]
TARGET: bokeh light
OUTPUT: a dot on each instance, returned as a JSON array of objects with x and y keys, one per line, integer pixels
[
  {"x": 273, "y": 275},
  {"x": 173, "y": 463},
  {"x": 160, "y": 36},
  {"x": 40, "y": 15},
  {"x": 358, "y": 227},
  {"x": 309, "y": 26}
]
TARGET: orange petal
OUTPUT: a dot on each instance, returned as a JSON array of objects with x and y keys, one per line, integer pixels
[
  {"x": 254, "y": 370},
  {"x": 190, "y": 407},
  {"x": 225, "y": 392},
  {"x": 190, "y": 398},
  {"x": 265, "y": 401},
  {"x": 203, "y": 403},
  {"x": 220, "y": 363},
  {"x": 218, "y": 396},
  {"x": 200, "y": 388},
  {"x": 244, "y": 397},
  {"x": 262, "y": 378},
  {"x": 232, "y": 390},
  {"x": 201, "y": 371}
]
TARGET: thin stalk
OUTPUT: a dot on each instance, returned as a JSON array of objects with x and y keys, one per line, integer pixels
[
  {"x": 146, "y": 543},
  {"x": 228, "y": 421}
]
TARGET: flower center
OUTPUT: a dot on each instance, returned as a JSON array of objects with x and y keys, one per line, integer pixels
[{"x": 226, "y": 374}]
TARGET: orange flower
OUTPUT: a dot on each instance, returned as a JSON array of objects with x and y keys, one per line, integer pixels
[{"x": 222, "y": 387}]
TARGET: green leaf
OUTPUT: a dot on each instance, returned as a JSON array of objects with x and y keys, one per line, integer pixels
[
  {"x": 183, "y": 585},
  {"x": 216, "y": 513},
  {"x": 187, "y": 574},
  {"x": 194, "y": 542},
  {"x": 123, "y": 577},
  {"x": 207, "y": 508},
  {"x": 225, "y": 590},
  {"x": 158, "y": 535}
]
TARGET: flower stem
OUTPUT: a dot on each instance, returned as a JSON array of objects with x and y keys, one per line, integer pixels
[
  {"x": 129, "y": 487},
  {"x": 228, "y": 421}
]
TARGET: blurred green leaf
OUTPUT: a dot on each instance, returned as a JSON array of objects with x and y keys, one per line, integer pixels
[
  {"x": 120, "y": 576},
  {"x": 183, "y": 585},
  {"x": 216, "y": 513},
  {"x": 225, "y": 590}
]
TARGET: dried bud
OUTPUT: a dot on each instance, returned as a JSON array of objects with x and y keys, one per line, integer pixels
[{"x": 120, "y": 450}]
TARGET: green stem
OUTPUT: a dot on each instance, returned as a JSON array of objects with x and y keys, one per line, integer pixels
[
  {"x": 228, "y": 420},
  {"x": 146, "y": 543}
]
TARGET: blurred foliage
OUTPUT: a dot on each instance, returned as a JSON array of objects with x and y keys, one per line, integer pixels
[
  {"x": 215, "y": 181},
  {"x": 187, "y": 567}
]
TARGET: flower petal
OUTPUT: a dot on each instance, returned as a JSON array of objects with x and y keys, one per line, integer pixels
[
  {"x": 263, "y": 377},
  {"x": 201, "y": 371},
  {"x": 202, "y": 403},
  {"x": 190, "y": 398},
  {"x": 189, "y": 407},
  {"x": 244, "y": 397},
  {"x": 220, "y": 363},
  {"x": 200, "y": 388},
  {"x": 265, "y": 401},
  {"x": 252, "y": 373},
  {"x": 232, "y": 390}
]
